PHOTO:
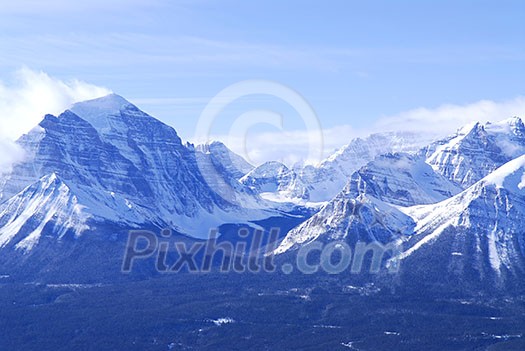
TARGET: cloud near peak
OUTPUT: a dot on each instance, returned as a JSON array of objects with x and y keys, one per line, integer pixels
[
  {"x": 430, "y": 123},
  {"x": 447, "y": 118},
  {"x": 26, "y": 98},
  {"x": 32, "y": 94}
]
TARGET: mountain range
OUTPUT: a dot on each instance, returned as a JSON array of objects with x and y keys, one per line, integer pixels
[
  {"x": 453, "y": 206},
  {"x": 103, "y": 167}
]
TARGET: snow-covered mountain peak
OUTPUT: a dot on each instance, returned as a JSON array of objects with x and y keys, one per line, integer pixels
[
  {"x": 510, "y": 176},
  {"x": 116, "y": 118},
  {"x": 225, "y": 159},
  {"x": 401, "y": 179},
  {"x": 276, "y": 182},
  {"x": 480, "y": 226},
  {"x": 92, "y": 110},
  {"x": 476, "y": 150},
  {"x": 268, "y": 170},
  {"x": 128, "y": 169},
  {"x": 137, "y": 135},
  {"x": 512, "y": 125},
  {"x": 328, "y": 178},
  {"x": 470, "y": 129},
  {"x": 362, "y": 218},
  {"x": 49, "y": 202}
]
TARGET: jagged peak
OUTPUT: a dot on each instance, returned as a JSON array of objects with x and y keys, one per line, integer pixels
[
  {"x": 267, "y": 170},
  {"x": 512, "y": 121},
  {"x": 98, "y": 111},
  {"x": 210, "y": 145},
  {"x": 220, "y": 147},
  {"x": 506, "y": 125},
  {"x": 271, "y": 165},
  {"x": 470, "y": 129},
  {"x": 48, "y": 181},
  {"x": 67, "y": 115},
  {"x": 109, "y": 102},
  {"x": 51, "y": 178},
  {"x": 512, "y": 125},
  {"x": 221, "y": 154},
  {"x": 510, "y": 176}
]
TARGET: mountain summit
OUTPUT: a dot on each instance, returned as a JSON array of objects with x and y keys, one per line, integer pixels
[
  {"x": 104, "y": 167},
  {"x": 120, "y": 166},
  {"x": 455, "y": 207}
]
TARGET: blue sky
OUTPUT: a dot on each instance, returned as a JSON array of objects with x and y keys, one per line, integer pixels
[{"x": 355, "y": 62}]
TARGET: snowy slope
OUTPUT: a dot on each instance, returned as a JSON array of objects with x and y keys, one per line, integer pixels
[
  {"x": 447, "y": 233},
  {"x": 389, "y": 181},
  {"x": 473, "y": 240},
  {"x": 274, "y": 181},
  {"x": 401, "y": 179},
  {"x": 328, "y": 178},
  {"x": 225, "y": 160},
  {"x": 363, "y": 218},
  {"x": 481, "y": 226},
  {"x": 130, "y": 169},
  {"x": 48, "y": 202},
  {"x": 315, "y": 185},
  {"x": 455, "y": 205},
  {"x": 476, "y": 150}
]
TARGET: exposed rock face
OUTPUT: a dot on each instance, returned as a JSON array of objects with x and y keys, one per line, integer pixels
[
  {"x": 456, "y": 206},
  {"x": 447, "y": 233},
  {"x": 275, "y": 177},
  {"x": 225, "y": 160},
  {"x": 476, "y": 150},
  {"x": 111, "y": 162},
  {"x": 476, "y": 235},
  {"x": 327, "y": 179},
  {"x": 401, "y": 179}
]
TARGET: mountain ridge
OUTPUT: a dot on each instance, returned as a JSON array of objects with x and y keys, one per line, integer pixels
[{"x": 104, "y": 163}]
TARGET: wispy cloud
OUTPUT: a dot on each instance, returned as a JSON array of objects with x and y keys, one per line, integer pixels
[
  {"x": 10, "y": 154},
  {"x": 120, "y": 49},
  {"x": 54, "y": 7},
  {"x": 449, "y": 117},
  {"x": 32, "y": 94},
  {"x": 27, "y": 97},
  {"x": 179, "y": 53},
  {"x": 290, "y": 147},
  {"x": 287, "y": 146}
]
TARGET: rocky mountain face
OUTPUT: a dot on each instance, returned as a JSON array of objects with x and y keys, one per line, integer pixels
[
  {"x": 48, "y": 201},
  {"x": 313, "y": 185},
  {"x": 224, "y": 160},
  {"x": 350, "y": 219},
  {"x": 464, "y": 158},
  {"x": 476, "y": 235},
  {"x": 274, "y": 181},
  {"x": 454, "y": 207},
  {"x": 328, "y": 178},
  {"x": 105, "y": 161},
  {"x": 401, "y": 179},
  {"x": 476, "y": 150}
]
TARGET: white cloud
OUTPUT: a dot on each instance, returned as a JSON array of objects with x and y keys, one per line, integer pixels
[
  {"x": 448, "y": 118},
  {"x": 27, "y": 98},
  {"x": 10, "y": 153},
  {"x": 292, "y": 146},
  {"x": 289, "y": 147},
  {"x": 31, "y": 95}
]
